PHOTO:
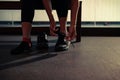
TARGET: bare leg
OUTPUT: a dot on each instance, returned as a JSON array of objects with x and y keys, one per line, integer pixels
[
  {"x": 74, "y": 12},
  {"x": 26, "y": 29},
  {"x": 63, "y": 27},
  {"x": 48, "y": 7}
]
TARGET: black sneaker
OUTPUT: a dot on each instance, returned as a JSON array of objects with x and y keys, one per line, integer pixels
[
  {"x": 22, "y": 48},
  {"x": 61, "y": 44},
  {"x": 42, "y": 42}
]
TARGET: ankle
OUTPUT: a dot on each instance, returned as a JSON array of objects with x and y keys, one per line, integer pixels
[{"x": 28, "y": 40}]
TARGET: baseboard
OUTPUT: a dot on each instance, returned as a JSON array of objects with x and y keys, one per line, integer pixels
[
  {"x": 91, "y": 30},
  {"x": 100, "y": 31},
  {"x": 84, "y": 31}
]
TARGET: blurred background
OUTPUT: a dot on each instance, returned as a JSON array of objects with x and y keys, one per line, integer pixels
[{"x": 93, "y": 12}]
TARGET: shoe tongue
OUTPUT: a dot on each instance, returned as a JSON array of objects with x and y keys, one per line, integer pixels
[
  {"x": 61, "y": 34},
  {"x": 42, "y": 36}
]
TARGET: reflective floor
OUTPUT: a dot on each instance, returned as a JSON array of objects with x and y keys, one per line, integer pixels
[{"x": 94, "y": 58}]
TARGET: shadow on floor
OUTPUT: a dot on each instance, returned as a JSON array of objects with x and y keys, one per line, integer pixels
[
  {"x": 7, "y": 60},
  {"x": 26, "y": 61}
]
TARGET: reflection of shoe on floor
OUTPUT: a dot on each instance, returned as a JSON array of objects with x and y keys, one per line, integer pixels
[
  {"x": 42, "y": 42},
  {"x": 23, "y": 47},
  {"x": 61, "y": 44}
]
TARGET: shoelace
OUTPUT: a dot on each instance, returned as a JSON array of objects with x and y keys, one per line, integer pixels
[
  {"x": 68, "y": 42},
  {"x": 73, "y": 45}
]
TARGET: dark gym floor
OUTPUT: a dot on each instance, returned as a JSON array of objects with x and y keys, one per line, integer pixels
[{"x": 94, "y": 58}]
